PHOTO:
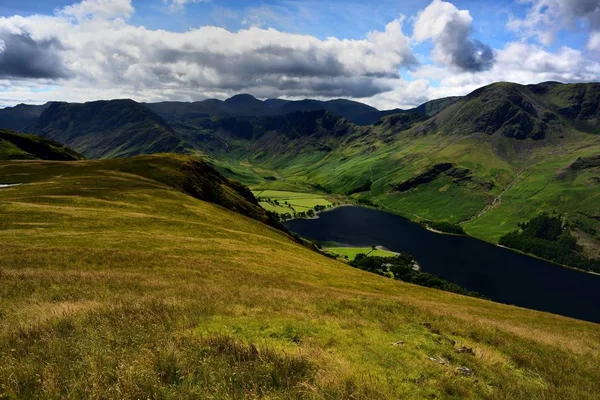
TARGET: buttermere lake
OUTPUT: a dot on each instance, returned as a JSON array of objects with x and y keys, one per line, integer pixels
[{"x": 498, "y": 273}]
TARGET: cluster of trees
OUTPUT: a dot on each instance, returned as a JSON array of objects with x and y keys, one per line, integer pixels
[
  {"x": 445, "y": 227},
  {"x": 320, "y": 187},
  {"x": 367, "y": 202},
  {"x": 548, "y": 236},
  {"x": 401, "y": 267},
  {"x": 274, "y": 202}
]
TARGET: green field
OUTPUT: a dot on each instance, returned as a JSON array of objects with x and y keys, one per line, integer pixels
[
  {"x": 117, "y": 284},
  {"x": 296, "y": 201},
  {"x": 352, "y": 252}
]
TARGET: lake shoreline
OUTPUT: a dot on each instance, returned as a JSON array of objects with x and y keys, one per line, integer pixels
[
  {"x": 398, "y": 213},
  {"x": 445, "y": 233},
  {"x": 509, "y": 277}
]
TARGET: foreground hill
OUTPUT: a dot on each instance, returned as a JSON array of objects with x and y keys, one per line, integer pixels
[
  {"x": 116, "y": 283},
  {"x": 15, "y": 146}
]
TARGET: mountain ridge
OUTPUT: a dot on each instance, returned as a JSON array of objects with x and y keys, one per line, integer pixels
[{"x": 510, "y": 138}]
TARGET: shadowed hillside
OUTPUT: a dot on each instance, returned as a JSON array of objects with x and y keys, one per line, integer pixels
[
  {"x": 105, "y": 129},
  {"x": 522, "y": 112},
  {"x": 15, "y": 146},
  {"x": 247, "y": 106},
  {"x": 20, "y": 117}
]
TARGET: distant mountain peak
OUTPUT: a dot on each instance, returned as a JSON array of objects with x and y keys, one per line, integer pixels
[{"x": 242, "y": 97}]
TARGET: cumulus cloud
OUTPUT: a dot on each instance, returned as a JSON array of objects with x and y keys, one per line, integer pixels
[
  {"x": 450, "y": 30},
  {"x": 204, "y": 60},
  {"x": 546, "y": 17},
  {"x": 98, "y": 8},
  {"x": 91, "y": 50},
  {"x": 21, "y": 56},
  {"x": 517, "y": 62}
]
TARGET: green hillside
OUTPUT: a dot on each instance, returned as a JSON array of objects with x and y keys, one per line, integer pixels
[
  {"x": 505, "y": 151},
  {"x": 508, "y": 150},
  {"x": 115, "y": 282},
  {"x": 15, "y": 146}
]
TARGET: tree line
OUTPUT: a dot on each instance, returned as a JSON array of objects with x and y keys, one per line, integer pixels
[
  {"x": 402, "y": 267},
  {"x": 549, "y": 237},
  {"x": 293, "y": 214}
]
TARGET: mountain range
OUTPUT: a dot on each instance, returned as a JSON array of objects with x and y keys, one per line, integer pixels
[{"x": 508, "y": 148}]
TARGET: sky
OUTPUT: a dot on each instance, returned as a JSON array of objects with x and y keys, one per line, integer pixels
[{"x": 389, "y": 54}]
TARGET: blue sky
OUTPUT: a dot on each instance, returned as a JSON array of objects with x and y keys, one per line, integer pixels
[
  {"x": 352, "y": 18},
  {"x": 386, "y": 53}
]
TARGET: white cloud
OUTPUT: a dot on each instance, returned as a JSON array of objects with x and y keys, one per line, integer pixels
[
  {"x": 516, "y": 62},
  {"x": 99, "y": 8},
  {"x": 450, "y": 30},
  {"x": 545, "y": 18},
  {"x": 91, "y": 50},
  {"x": 594, "y": 41},
  {"x": 179, "y": 4},
  {"x": 100, "y": 50},
  {"x": 406, "y": 94}
]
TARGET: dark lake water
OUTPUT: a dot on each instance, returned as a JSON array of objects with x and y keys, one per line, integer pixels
[{"x": 499, "y": 274}]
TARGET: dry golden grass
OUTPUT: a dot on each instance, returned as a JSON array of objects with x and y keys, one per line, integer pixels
[{"x": 116, "y": 285}]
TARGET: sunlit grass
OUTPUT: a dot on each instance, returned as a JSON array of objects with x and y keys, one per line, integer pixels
[
  {"x": 351, "y": 252},
  {"x": 114, "y": 284},
  {"x": 290, "y": 202}
]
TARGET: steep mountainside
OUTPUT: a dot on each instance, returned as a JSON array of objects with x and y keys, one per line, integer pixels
[
  {"x": 20, "y": 117},
  {"x": 436, "y": 106},
  {"x": 274, "y": 139},
  {"x": 245, "y": 105},
  {"x": 522, "y": 112},
  {"x": 509, "y": 148},
  {"x": 15, "y": 146},
  {"x": 104, "y": 129},
  {"x": 116, "y": 283}
]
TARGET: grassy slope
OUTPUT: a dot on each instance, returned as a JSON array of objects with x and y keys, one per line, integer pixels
[
  {"x": 352, "y": 252},
  {"x": 297, "y": 202},
  {"x": 15, "y": 146},
  {"x": 115, "y": 284}
]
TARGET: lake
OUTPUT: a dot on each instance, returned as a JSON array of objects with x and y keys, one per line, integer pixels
[{"x": 498, "y": 273}]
